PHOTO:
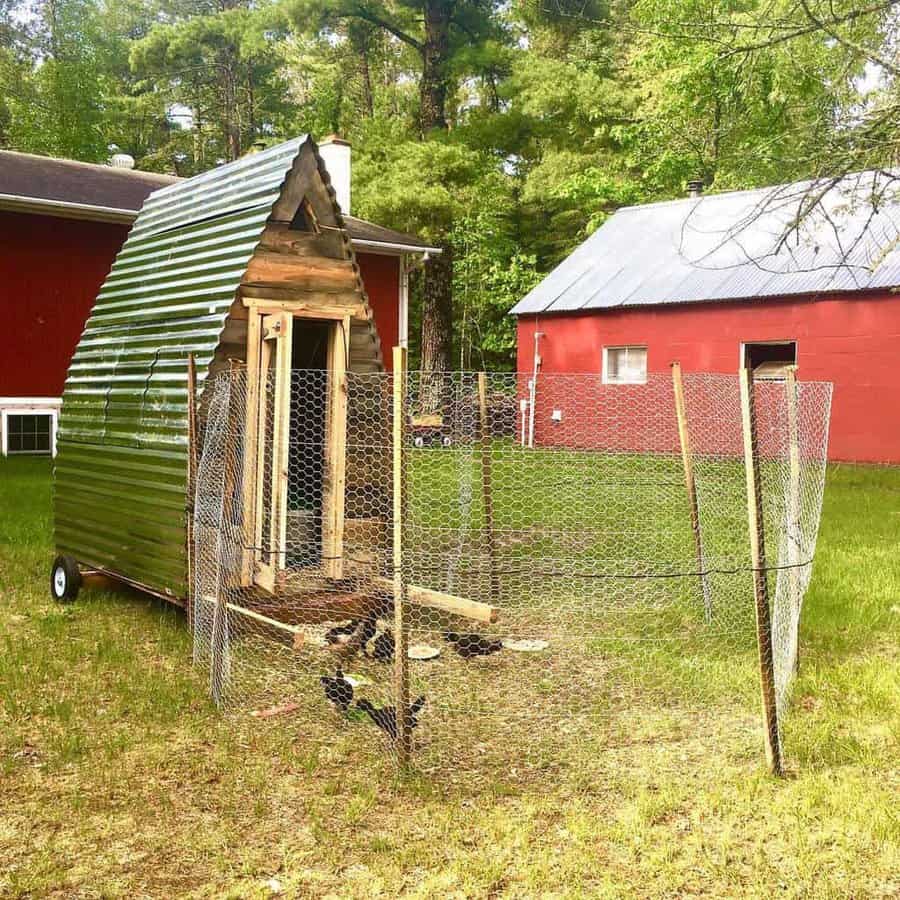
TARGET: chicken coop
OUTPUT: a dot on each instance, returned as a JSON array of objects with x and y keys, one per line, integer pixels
[
  {"x": 363, "y": 547},
  {"x": 249, "y": 265}
]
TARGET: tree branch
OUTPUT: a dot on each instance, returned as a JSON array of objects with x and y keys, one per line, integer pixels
[
  {"x": 359, "y": 12},
  {"x": 815, "y": 25},
  {"x": 850, "y": 45}
]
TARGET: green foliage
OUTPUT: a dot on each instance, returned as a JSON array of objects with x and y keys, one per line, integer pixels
[{"x": 557, "y": 113}]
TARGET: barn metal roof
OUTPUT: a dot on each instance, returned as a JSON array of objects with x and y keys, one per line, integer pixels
[{"x": 734, "y": 246}]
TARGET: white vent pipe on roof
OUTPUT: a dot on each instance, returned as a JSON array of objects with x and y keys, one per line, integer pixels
[
  {"x": 121, "y": 161},
  {"x": 335, "y": 151}
]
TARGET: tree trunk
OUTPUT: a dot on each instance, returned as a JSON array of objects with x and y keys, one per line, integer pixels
[
  {"x": 361, "y": 36},
  {"x": 437, "y": 314},
  {"x": 232, "y": 131},
  {"x": 437, "y": 302},
  {"x": 435, "y": 53}
]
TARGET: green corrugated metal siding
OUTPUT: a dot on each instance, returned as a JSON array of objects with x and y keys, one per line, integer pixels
[{"x": 121, "y": 470}]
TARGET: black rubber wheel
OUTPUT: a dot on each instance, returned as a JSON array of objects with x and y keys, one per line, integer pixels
[{"x": 65, "y": 579}]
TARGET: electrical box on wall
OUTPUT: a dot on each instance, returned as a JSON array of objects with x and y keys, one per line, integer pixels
[{"x": 556, "y": 415}]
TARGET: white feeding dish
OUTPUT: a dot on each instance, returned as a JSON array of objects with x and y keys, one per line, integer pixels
[
  {"x": 423, "y": 651},
  {"x": 526, "y": 646}
]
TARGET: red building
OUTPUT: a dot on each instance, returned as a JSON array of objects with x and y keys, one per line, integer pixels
[
  {"x": 62, "y": 223},
  {"x": 721, "y": 281}
]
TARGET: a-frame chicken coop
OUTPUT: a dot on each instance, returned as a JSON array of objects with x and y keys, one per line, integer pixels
[{"x": 249, "y": 265}]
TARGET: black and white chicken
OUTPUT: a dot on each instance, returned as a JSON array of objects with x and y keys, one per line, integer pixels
[
  {"x": 338, "y": 690},
  {"x": 386, "y": 716}
]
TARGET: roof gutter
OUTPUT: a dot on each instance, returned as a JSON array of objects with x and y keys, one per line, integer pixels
[
  {"x": 389, "y": 247},
  {"x": 64, "y": 209}
]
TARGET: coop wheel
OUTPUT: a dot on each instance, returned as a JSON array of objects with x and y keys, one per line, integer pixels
[
  {"x": 446, "y": 441},
  {"x": 418, "y": 441},
  {"x": 65, "y": 579}
]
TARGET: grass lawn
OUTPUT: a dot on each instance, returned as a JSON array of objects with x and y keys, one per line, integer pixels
[{"x": 117, "y": 777}]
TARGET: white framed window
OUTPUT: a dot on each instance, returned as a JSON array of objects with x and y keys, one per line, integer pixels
[
  {"x": 625, "y": 365},
  {"x": 28, "y": 426}
]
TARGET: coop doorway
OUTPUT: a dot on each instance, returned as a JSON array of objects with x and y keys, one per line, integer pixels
[{"x": 295, "y": 462}]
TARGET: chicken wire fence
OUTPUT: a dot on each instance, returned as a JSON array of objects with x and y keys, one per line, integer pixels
[{"x": 516, "y": 564}]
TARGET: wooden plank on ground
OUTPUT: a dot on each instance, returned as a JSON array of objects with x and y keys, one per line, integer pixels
[{"x": 448, "y": 603}]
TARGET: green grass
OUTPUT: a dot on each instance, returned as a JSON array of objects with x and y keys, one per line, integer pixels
[{"x": 117, "y": 778}]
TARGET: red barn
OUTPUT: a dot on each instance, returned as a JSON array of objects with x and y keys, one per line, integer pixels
[
  {"x": 743, "y": 278},
  {"x": 83, "y": 212}
]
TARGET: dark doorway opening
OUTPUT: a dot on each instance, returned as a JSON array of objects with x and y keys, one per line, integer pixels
[
  {"x": 308, "y": 439},
  {"x": 768, "y": 359}
]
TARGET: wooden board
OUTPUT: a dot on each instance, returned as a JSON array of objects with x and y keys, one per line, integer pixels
[{"x": 334, "y": 488}]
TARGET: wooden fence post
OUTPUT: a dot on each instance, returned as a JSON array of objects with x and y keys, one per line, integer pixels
[
  {"x": 793, "y": 511},
  {"x": 687, "y": 459},
  {"x": 487, "y": 489},
  {"x": 760, "y": 584},
  {"x": 401, "y": 625}
]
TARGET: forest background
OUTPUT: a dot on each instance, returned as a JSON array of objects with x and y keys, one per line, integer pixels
[{"x": 505, "y": 132}]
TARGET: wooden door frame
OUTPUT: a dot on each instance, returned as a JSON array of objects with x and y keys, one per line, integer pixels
[{"x": 255, "y": 570}]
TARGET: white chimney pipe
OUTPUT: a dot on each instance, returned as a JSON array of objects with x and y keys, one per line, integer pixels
[{"x": 335, "y": 151}]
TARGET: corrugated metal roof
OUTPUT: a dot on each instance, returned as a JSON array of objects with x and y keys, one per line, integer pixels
[
  {"x": 734, "y": 246},
  {"x": 120, "y": 487}
]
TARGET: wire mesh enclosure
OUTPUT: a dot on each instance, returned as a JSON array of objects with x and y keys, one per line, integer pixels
[{"x": 509, "y": 564}]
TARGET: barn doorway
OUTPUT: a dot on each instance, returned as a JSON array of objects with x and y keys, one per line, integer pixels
[
  {"x": 769, "y": 360},
  {"x": 294, "y": 459}
]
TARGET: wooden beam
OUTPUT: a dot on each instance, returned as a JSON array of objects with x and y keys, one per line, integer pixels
[
  {"x": 313, "y": 272},
  {"x": 335, "y": 451},
  {"x": 282, "y": 324},
  {"x": 281, "y": 238},
  {"x": 251, "y": 444},
  {"x": 304, "y": 309},
  {"x": 257, "y": 617},
  {"x": 760, "y": 581},
  {"x": 401, "y": 625},
  {"x": 687, "y": 460},
  {"x": 297, "y": 294},
  {"x": 448, "y": 603},
  {"x": 487, "y": 492},
  {"x": 259, "y": 463}
]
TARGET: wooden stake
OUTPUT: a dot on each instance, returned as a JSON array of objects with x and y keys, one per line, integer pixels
[
  {"x": 278, "y": 326},
  {"x": 760, "y": 583},
  {"x": 487, "y": 490},
  {"x": 793, "y": 511},
  {"x": 687, "y": 459},
  {"x": 401, "y": 626},
  {"x": 256, "y": 395},
  {"x": 191, "y": 482},
  {"x": 335, "y": 484}
]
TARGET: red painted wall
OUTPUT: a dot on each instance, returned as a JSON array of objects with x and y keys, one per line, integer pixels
[
  {"x": 381, "y": 277},
  {"x": 50, "y": 272},
  {"x": 852, "y": 341}
]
